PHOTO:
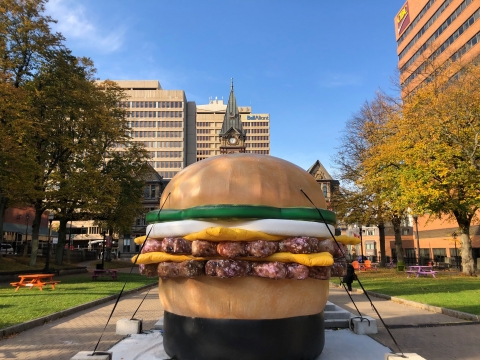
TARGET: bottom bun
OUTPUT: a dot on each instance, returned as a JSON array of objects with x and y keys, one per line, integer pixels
[{"x": 243, "y": 297}]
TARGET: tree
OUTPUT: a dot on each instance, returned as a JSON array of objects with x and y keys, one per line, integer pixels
[
  {"x": 438, "y": 138},
  {"x": 25, "y": 42},
  {"x": 370, "y": 200}
]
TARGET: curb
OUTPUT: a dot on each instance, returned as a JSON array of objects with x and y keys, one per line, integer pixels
[
  {"x": 431, "y": 308},
  {"x": 14, "y": 329}
]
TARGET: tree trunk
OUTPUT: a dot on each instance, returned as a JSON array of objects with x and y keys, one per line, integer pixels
[
  {"x": 35, "y": 231},
  {"x": 468, "y": 264},
  {"x": 3, "y": 207},
  {"x": 396, "y": 222},
  {"x": 381, "y": 231},
  {"x": 62, "y": 235}
]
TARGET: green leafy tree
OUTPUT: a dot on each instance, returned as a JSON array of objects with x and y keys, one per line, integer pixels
[
  {"x": 25, "y": 42},
  {"x": 368, "y": 199},
  {"x": 438, "y": 139}
]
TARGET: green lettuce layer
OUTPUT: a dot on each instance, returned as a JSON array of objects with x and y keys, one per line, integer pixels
[{"x": 222, "y": 212}]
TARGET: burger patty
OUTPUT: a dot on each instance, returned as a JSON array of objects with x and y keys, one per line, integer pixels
[
  {"x": 235, "y": 249},
  {"x": 230, "y": 268}
]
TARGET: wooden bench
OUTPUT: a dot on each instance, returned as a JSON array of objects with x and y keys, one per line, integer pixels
[
  {"x": 39, "y": 284},
  {"x": 98, "y": 272}
]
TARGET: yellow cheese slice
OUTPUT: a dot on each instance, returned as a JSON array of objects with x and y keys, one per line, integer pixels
[
  {"x": 317, "y": 259},
  {"x": 347, "y": 240}
]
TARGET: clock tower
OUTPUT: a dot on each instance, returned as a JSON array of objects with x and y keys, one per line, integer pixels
[{"x": 232, "y": 135}]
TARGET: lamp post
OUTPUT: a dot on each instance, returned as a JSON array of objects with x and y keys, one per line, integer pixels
[
  {"x": 415, "y": 219},
  {"x": 103, "y": 249},
  {"x": 47, "y": 261},
  {"x": 25, "y": 249},
  {"x": 361, "y": 242}
]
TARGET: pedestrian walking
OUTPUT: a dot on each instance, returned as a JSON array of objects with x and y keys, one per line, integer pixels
[{"x": 349, "y": 277}]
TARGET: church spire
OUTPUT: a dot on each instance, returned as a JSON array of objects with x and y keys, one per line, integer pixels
[{"x": 232, "y": 120}]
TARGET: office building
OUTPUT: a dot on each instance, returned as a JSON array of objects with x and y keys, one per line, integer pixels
[
  {"x": 243, "y": 131},
  {"x": 435, "y": 31},
  {"x": 163, "y": 121}
]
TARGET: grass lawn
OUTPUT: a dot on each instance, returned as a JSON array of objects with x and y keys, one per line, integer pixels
[
  {"x": 27, "y": 304},
  {"x": 449, "y": 290}
]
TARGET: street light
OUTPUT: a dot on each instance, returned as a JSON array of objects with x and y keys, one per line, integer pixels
[
  {"x": 104, "y": 232},
  {"x": 25, "y": 249},
  {"x": 47, "y": 261},
  {"x": 415, "y": 218}
]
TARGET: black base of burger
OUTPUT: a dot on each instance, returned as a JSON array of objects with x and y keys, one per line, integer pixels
[{"x": 295, "y": 338}]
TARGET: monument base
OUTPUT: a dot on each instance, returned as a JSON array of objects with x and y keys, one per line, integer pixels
[{"x": 294, "y": 338}]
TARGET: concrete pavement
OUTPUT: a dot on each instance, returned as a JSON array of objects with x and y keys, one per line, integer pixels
[
  {"x": 431, "y": 335},
  {"x": 63, "y": 338}
]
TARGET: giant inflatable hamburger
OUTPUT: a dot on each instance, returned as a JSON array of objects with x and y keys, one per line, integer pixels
[{"x": 243, "y": 259}]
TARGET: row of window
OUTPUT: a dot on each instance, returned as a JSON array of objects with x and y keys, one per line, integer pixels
[
  {"x": 204, "y": 138},
  {"x": 161, "y": 144},
  {"x": 256, "y": 131},
  {"x": 168, "y": 164},
  {"x": 264, "y": 152},
  {"x": 160, "y": 124},
  {"x": 255, "y": 145},
  {"x": 169, "y": 154},
  {"x": 435, "y": 35},
  {"x": 203, "y": 145},
  {"x": 204, "y": 152},
  {"x": 168, "y": 174},
  {"x": 457, "y": 55},
  {"x": 151, "y": 104},
  {"x": 415, "y": 22},
  {"x": 425, "y": 28},
  {"x": 162, "y": 134},
  {"x": 444, "y": 46},
  {"x": 154, "y": 114},
  {"x": 204, "y": 131},
  {"x": 257, "y": 138},
  {"x": 254, "y": 123}
]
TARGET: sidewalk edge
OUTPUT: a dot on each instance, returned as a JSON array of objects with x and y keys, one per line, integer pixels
[
  {"x": 431, "y": 308},
  {"x": 15, "y": 329}
]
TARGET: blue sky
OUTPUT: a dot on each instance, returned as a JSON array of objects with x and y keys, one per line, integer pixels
[{"x": 311, "y": 64}]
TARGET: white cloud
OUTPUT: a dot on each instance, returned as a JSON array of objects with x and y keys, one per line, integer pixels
[{"x": 74, "y": 24}]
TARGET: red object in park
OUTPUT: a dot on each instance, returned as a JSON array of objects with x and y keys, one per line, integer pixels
[{"x": 108, "y": 241}]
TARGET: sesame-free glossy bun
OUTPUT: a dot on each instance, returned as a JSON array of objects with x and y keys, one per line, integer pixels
[{"x": 242, "y": 179}]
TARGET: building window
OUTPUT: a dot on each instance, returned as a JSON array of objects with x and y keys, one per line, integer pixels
[
  {"x": 126, "y": 245},
  {"x": 324, "y": 190},
  {"x": 405, "y": 231},
  {"x": 439, "y": 254},
  {"x": 370, "y": 232}
]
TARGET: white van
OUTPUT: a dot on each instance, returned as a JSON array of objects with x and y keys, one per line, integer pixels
[{"x": 6, "y": 249}]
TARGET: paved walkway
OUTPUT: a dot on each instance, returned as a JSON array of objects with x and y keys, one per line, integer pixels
[
  {"x": 436, "y": 341},
  {"x": 63, "y": 338}
]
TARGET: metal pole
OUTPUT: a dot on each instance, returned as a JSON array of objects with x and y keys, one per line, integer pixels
[
  {"x": 103, "y": 250},
  {"x": 415, "y": 218},
  {"x": 361, "y": 242},
  {"x": 25, "y": 249},
  {"x": 47, "y": 261}
]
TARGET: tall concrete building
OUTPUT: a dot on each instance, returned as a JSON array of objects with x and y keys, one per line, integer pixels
[
  {"x": 436, "y": 31},
  {"x": 220, "y": 131},
  {"x": 162, "y": 120}
]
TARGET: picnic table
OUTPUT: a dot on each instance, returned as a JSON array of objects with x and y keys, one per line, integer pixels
[
  {"x": 420, "y": 270},
  {"x": 35, "y": 280},
  {"x": 104, "y": 272}
]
